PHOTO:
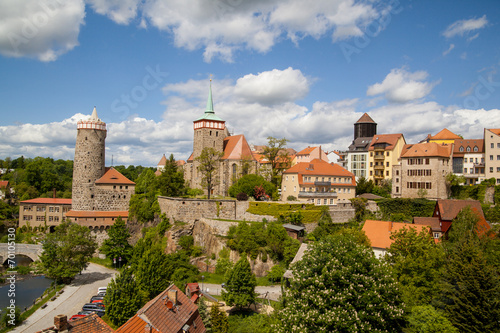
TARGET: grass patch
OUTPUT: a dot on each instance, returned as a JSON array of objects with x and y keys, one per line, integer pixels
[
  {"x": 109, "y": 322},
  {"x": 103, "y": 262}
]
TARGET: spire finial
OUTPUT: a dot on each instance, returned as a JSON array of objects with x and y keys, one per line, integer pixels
[{"x": 210, "y": 104}]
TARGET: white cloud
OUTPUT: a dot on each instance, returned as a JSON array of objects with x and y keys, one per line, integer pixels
[
  {"x": 463, "y": 27},
  {"x": 120, "y": 11},
  {"x": 40, "y": 29},
  {"x": 452, "y": 46},
  {"x": 401, "y": 86},
  {"x": 273, "y": 87}
]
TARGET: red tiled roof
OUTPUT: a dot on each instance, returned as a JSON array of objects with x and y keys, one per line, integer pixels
[
  {"x": 445, "y": 134},
  {"x": 163, "y": 161},
  {"x": 4, "y": 183},
  {"x": 449, "y": 208},
  {"x": 180, "y": 162},
  {"x": 97, "y": 213},
  {"x": 112, "y": 176},
  {"x": 432, "y": 222},
  {"x": 48, "y": 201},
  {"x": 390, "y": 139},
  {"x": 89, "y": 324},
  {"x": 306, "y": 151},
  {"x": 156, "y": 314},
  {"x": 494, "y": 130},
  {"x": 190, "y": 159},
  {"x": 319, "y": 167},
  {"x": 427, "y": 149},
  {"x": 479, "y": 143},
  {"x": 236, "y": 147},
  {"x": 193, "y": 287},
  {"x": 365, "y": 118},
  {"x": 379, "y": 232}
]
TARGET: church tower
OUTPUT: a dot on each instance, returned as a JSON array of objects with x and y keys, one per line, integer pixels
[
  {"x": 88, "y": 165},
  {"x": 365, "y": 127},
  {"x": 209, "y": 130}
]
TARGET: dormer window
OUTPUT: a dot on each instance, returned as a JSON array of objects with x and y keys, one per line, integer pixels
[
  {"x": 468, "y": 148},
  {"x": 461, "y": 149},
  {"x": 476, "y": 149}
]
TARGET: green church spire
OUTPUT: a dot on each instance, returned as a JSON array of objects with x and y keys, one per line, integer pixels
[{"x": 210, "y": 103}]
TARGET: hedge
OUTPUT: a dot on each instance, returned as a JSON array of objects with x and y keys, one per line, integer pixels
[
  {"x": 405, "y": 209},
  {"x": 310, "y": 212}
]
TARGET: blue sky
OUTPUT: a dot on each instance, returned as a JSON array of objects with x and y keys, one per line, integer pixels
[{"x": 289, "y": 68}]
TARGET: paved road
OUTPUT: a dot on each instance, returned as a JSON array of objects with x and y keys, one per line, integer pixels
[
  {"x": 274, "y": 292},
  {"x": 70, "y": 302}
]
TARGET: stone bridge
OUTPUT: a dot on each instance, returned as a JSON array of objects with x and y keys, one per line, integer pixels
[{"x": 29, "y": 250}]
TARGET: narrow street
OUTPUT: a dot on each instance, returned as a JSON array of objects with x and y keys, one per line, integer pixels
[{"x": 70, "y": 302}]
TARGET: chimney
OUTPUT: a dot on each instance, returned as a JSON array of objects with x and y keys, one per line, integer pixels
[
  {"x": 148, "y": 328},
  {"x": 61, "y": 322},
  {"x": 54, "y": 191},
  {"x": 172, "y": 295},
  {"x": 390, "y": 226}
]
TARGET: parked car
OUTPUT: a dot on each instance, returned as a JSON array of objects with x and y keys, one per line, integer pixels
[
  {"x": 73, "y": 317},
  {"x": 101, "y": 290},
  {"x": 95, "y": 298},
  {"x": 95, "y": 307},
  {"x": 85, "y": 313}
]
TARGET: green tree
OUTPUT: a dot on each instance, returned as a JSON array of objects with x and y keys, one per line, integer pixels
[
  {"x": 10, "y": 319},
  {"x": 278, "y": 158},
  {"x": 218, "y": 320},
  {"x": 247, "y": 184},
  {"x": 117, "y": 245},
  {"x": 143, "y": 204},
  {"x": 364, "y": 185},
  {"x": 171, "y": 180},
  {"x": 470, "y": 295},
  {"x": 205, "y": 315},
  {"x": 123, "y": 298},
  {"x": 240, "y": 285},
  {"x": 339, "y": 286},
  {"x": 67, "y": 251},
  {"x": 426, "y": 319},
  {"x": 359, "y": 205},
  {"x": 152, "y": 271},
  {"x": 417, "y": 261},
  {"x": 208, "y": 166}
]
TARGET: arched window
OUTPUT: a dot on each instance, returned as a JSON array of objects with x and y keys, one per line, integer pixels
[
  {"x": 461, "y": 149},
  {"x": 234, "y": 170},
  {"x": 476, "y": 149},
  {"x": 468, "y": 148}
]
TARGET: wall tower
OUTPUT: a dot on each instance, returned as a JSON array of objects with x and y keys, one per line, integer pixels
[
  {"x": 365, "y": 127},
  {"x": 88, "y": 165}
]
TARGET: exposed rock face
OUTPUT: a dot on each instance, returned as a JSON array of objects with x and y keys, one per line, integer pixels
[{"x": 489, "y": 195}]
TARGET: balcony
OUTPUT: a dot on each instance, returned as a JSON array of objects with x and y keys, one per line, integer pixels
[
  {"x": 303, "y": 194},
  {"x": 378, "y": 176},
  {"x": 379, "y": 157},
  {"x": 479, "y": 165},
  {"x": 325, "y": 183},
  {"x": 379, "y": 167}
]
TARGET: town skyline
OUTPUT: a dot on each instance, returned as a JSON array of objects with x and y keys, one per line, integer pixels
[{"x": 276, "y": 73}]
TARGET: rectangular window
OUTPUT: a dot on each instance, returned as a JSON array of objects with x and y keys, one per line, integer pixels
[
  {"x": 387, "y": 153},
  {"x": 331, "y": 201},
  {"x": 40, "y": 218},
  {"x": 465, "y": 170},
  {"x": 371, "y": 173},
  {"x": 397, "y": 172},
  {"x": 387, "y": 173},
  {"x": 318, "y": 201},
  {"x": 491, "y": 157},
  {"x": 295, "y": 188},
  {"x": 498, "y": 169},
  {"x": 397, "y": 180},
  {"x": 51, "y": 209},
  {"x": 498, "y": 157},
  {"x": 51, "y": 218},
  {"x": 397, "y": 189},
  {"x": 325, "y": 201},
  {"x": 387, "y": 164},
  {"x": 492, "y": 145},
  {"x": 471, "y": 160},
  {"x": 371, "y": 164},
  {"x": 491, "y": 169}
]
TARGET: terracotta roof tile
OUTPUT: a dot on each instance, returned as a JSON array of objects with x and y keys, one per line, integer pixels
[
  {"x": 306, "y": 151},
  {"x": 89, "y": 324},
  {"x": 479, "y": 143},
  {"x": 156, "y": 314},
  {"x": 379, "y": 232},
  {"x": 445, "y": 134},
  {"x": 389, "y": 139},
  {"x": 49, "y": 201},
  {"x": 4, "y": 183},
  {"x": 236, "y": 147},
  {"x": 449, "y": 208},
  {"x": 163, "y": 161},
  {"x": 365, "y": 118},
  {"x": 494, "y": 130},
  {"x": 112, "y": 176},
  {"x": 432, "y": 222},
  {"x": 427, "y": 149},
  {"x": 319, "y": 167}
]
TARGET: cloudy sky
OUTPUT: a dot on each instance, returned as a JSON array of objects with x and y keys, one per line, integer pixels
[{"x": 297, "y": 69}]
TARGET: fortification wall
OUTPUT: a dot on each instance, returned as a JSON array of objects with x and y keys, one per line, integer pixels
[{"x": 108, "y": 199}]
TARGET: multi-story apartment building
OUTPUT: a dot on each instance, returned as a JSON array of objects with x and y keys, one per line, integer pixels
[
  {"x": 43, "y": 212},
  {"x": 318, "y": 182},
  {"x": 384, "y": 152},
  {"x": 422, "y": 171},
  {"x": 445, "y": 136},
  {"x": 492, "y": 154},
  {"x": 308, "y": 154},
  {"x": 468, "y": 160}
]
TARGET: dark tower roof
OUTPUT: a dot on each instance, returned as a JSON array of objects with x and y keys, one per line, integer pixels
[{"x": 365, "y": 127}]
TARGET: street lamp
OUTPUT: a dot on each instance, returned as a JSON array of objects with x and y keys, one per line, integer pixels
[
  {"x": 202, "y": 278},
  {"x": 114, "y": 262},
  {"x": 119, "y": 262}
]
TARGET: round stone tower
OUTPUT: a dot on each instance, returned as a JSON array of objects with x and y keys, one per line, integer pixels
[{"x": 88, "y": 165}]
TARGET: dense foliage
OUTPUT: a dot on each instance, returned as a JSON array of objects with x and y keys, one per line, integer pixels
[
  {"x": 417, "y": 261},
  {"x": 405, "y": 209},
  {"x": 339, "y": 286},
  {"x": 123, "y": 298},
  {"x": 240, "y": 285},
  {"x": 364, "y": 185},
  {"x": 310, "y": 212},
  {"x": 170, "y": 182},
  {"x": 67, "y": 251},
  {"x": 38, "y": 177},
  {"x": 275, "y": 152},
  {"x": 117, "y": 245},
  {"x": 143, "y": 204},
  {"x": 248, "y": 183},
  {"x": 270, "y": 238},
  {"x": 427, "y": 319},
  {"x": 132, "y": 172},
  {"x": 218, "y": 320},
  {"x": 470, "y": 295}
]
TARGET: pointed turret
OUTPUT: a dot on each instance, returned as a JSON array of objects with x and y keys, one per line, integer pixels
[
  {"x": 94, "y": 117},
  {"x": 209, "y": 112}
]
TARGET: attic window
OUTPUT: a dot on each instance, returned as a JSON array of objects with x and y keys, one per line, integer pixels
[
  {"x": 468, "y": 148},
  {"x": 461, "y": 149},
  {"x": 476, "y": 149}
]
